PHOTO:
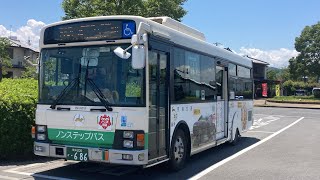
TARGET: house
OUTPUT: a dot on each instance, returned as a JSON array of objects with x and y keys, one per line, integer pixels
[
  {"x": 260, "y": 69},
  {"x": 21, "y": 55}
]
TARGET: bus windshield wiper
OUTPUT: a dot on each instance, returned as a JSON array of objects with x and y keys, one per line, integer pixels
[
  {"x": 99, "y": 94},
  {"x": 74, "y": 82},
  {"x": 95, "y": 89}
]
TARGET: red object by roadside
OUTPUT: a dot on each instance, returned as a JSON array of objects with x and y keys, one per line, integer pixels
[{"x": 264, "y": 89}]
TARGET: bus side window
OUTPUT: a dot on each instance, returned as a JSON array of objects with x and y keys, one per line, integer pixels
[
  {"x": 219, "y": 82},
  {"x": 207, "y": 70}
]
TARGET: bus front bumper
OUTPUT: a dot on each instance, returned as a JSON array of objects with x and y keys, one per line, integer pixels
[{"x": 133, "y": 157}]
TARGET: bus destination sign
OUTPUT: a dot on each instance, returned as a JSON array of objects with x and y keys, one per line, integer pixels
[{"x": 98, "y": 30}]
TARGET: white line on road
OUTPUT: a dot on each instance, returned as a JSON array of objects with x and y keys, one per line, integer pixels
[
  {"x": 36, "y": 175},
  {"x": 211, "y": 168},
  {"x": 26, "y": 166},
  {"x": 275, "y": 115},
  {"x": 7, "y": 177},
  {"x": 268, "y": 132}
]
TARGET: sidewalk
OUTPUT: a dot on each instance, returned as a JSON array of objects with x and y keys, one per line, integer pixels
[{"x": 264, "y": 103}]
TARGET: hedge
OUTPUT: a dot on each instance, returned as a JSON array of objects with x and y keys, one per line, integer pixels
[
  {"x": 18, "y": 99},
  {"x": 291, "y": 86}
]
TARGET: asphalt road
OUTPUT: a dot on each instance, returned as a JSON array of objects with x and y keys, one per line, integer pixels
[{"x": 282, "y": 144}]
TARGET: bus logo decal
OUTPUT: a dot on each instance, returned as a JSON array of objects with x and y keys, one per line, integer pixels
[
  {"x": 105, "y": 122},
  {"x": 78, "y": 120},
  {"x": 123, "y": 121}
]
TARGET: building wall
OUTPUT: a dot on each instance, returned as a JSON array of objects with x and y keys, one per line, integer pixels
[
  {"x": 259, "y": 71},
  {"x": 18, "y": 57},
  {"x": 16, "y": 72},
  {"x": 18, "y": 61}
]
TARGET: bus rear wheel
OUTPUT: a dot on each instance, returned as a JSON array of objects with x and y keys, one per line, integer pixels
[{"x": 178, "y": 155}]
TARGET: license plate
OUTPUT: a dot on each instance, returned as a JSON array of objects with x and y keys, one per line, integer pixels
[{"x": 77, "y": 154}]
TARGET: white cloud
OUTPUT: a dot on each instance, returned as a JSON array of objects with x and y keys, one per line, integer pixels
[
  {"x": 276, "y": 58},
  {"x": 31, "y": 31}
]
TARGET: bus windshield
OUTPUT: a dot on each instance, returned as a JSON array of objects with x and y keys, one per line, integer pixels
[{"x": 114, "y": 77}]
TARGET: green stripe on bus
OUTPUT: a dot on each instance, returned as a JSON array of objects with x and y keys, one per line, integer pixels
[
  {"x": 146, "y": 141},
  {"x": 81, "y": 137}
]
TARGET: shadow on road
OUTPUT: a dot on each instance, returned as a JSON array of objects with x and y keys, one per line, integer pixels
[{"x": 196, "y": 164}]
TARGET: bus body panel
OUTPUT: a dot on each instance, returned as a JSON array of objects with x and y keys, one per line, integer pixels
[
  {"x": 200, "y": 118},
  {"x": 81, "y": 129},
  {"x": 240, "y": 116}
]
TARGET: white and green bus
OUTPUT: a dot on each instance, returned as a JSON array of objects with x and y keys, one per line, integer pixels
[{"x": 137, "y": 91}]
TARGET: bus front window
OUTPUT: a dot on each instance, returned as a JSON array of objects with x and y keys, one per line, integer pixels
[{"x": 63, "y": 69}]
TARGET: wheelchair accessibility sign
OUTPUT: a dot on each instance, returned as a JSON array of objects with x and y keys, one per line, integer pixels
[{"x": 128, "y": 29}]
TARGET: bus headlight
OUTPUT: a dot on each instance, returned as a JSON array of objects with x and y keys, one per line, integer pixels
[
  {"x": 127, "y": 143},
  {"x": 41, "y": 128},
  {"x": 41, "y": 137},
  {"x": 128, "y": 134}
]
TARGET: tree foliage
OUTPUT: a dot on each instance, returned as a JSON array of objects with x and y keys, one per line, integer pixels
[
  {"x": 297, "y": 68},
  {"x": 272, "y": 75},
  {"x": 308, "y": 44},
  {"x": 30, "y": 72},
  {"x": 5, "y": 60},
  {"x": 147, "y": 8}
]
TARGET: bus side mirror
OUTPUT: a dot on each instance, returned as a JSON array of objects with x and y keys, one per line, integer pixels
[
  {"x": 138, "y": 57},
  {"x": 123, "y": 54}
]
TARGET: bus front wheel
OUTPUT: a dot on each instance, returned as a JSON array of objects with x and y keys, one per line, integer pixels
[
  {"x": 178, "y": 155},
  {"x": 236, "y": 139}
]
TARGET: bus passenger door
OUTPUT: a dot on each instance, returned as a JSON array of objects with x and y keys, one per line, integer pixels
[
  {"x": 158, "y": 103},
  {"x": 222, "y": 102}
]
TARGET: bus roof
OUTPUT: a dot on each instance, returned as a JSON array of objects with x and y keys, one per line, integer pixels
[{"x": 177, "y": 32}]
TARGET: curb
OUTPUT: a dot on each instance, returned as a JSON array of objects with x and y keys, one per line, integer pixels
[
  {"x": 274, "y": 106},
  {"x": 293, "y": 102}
]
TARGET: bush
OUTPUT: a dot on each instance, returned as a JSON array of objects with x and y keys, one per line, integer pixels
[
  {"x": 18, "y": 99},
  {"x": 291, "y": 86}
]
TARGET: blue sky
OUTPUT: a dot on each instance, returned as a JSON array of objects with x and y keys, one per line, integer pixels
[{"x": 262, "y": 29}]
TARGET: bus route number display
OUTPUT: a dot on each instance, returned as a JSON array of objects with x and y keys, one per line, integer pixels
[{"x": 98, "y": 30}]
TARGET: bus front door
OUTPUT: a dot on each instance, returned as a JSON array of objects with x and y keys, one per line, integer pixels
[{"x": 158, "y": 104}]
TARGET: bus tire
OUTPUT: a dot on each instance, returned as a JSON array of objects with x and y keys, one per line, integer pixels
[
  {"x": 179, "y": 149},
  {"x": 236, "y": 138}
]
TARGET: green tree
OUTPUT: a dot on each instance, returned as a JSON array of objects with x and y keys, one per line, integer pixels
[
  {"x": 30, "y": 72},
  {"x": 284, "y": 74},
  {"x": 5, "y": 60},
  {"x": 272, "y": 75},
  {"x": 297, "y": 68},
  {"x": 170, "y": 8},
  {"x": 308, "y": 44},
  {"x": 147, "y": 8}
]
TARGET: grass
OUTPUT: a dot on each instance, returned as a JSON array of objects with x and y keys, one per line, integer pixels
[{"x": 295, "y": 99}]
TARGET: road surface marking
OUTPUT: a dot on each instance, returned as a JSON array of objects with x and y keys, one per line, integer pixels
[
  {"x": 17, "y": 171},
  {"x": 259, "y": 123},
  {"x": 37, "y": 175},
  {"x": 275, "y": 115},
  {"x": 211, "y": 168},
  {"x": 25, "y": 166},
  {"x": 269, "y": 132},
  {"x": 7, "y": 177}
]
